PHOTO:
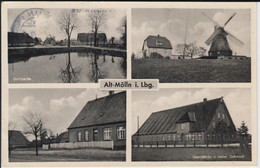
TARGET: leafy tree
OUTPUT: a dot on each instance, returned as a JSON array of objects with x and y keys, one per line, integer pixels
[{"x": 243, "y": 130}]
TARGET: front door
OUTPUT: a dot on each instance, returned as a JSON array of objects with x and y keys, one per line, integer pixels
[{"x": 95, "y": 135}]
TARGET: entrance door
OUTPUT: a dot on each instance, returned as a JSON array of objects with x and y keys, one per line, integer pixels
[{"x": 95, "y": 135}]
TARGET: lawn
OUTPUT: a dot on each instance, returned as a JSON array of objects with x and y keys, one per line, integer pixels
[
  {"x": 67, "y": 155},
  {"x": 190, "y": 154},
  {"x": 195, "y": 70}
]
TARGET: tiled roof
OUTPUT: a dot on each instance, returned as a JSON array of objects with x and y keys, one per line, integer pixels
[
  {"x": 158, "y": 42},
  {"x": 109, "y": 109}
]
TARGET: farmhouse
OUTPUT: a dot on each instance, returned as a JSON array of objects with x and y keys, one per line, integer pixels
[
  {"x": 19, "y": 39},
  {"x": 88, "y": 39},
  {"x": 102, "y": 119},
  {"x": 157, "y": 44},
  {"x": 62, "y": 138},
  {"x": 196, "y": 123},
  {"x": 17, "y": 139}
]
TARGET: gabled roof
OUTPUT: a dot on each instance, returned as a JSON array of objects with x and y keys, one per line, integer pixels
[
  {"x": 157, "y": 42},
  {"x": 14, "y": 37},
  {"x": 17, "y": 138},
  {"x": 105, "y": 110},
  {"x": 166, "y": 121},
  {"x": 88, "y": 37},
  {"x": 63, "y": 137}
]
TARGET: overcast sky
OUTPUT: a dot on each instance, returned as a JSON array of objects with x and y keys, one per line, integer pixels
[
  {"x": 58, "y": 107},
  {"x": 171, "y": 23},
  {"x": 47, "y": 23},
  {"x": 238, "y": 102}
]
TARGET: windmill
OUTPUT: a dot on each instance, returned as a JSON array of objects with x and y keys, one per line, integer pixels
[{"x": 218, "y": 39}]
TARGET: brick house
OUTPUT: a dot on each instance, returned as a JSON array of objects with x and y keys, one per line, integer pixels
[
  {"x": 102, "y": 119},
  {"x": 195, "y": 123}
]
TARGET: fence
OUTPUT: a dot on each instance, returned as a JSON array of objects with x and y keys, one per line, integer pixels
[
  {"x": 78, "y": 145},
  {"x": 168, "y": 144}
]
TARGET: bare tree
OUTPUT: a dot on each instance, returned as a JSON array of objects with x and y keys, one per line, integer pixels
[
  {"x": 68, "y": 22},
  {"x": 190, "y": 49},
  {"x": 34, "y": 126},
  {"x": 123, "y": 30},
  {"x": 97, "y": 18}
]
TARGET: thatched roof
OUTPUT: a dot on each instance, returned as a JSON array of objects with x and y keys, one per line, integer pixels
[
  {"x": 105, "y": 110},
  {"x": 17, "y": 138},
  {"x": 63, "y": 137},
  {"x": 158, "y": 42},
  {"x": 14, "y": 37},
  {"x": 164, "y": 122},
  {"x": 89, "y": 37}
]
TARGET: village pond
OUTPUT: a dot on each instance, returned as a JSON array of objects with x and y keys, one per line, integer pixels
[{"x": 70, "y": 67}]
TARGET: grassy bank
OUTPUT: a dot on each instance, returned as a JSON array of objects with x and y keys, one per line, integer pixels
[
  {"x": 189, "y": 154},
  {"x": 67, "y": 155},
  {"x": 185, "y": 71}
]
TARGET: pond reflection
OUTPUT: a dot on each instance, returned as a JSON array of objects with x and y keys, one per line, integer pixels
[
  {"x": 69, "y": 74},
  {"x": 71, "y": 67}
]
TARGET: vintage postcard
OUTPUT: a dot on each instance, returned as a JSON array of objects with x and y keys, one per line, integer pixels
[
  {"x": 129, "y": 84},
  {"x": 66, "y": 45}
]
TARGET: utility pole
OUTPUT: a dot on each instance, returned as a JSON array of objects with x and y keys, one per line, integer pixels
[
  {"x": 185, "y": 36},
  {"x": 138, "y": 131}
]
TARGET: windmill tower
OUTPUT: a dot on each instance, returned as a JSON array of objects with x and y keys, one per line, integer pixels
[{"x": 218, "y": 40}]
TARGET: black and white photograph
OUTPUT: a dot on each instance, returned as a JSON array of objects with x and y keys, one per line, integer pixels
[
  {"x": 66, "y": 45},
  {"x": 192, "y": 125},
  {"x": 48, "y": 125},
  {"x": 191, "y": 45}
]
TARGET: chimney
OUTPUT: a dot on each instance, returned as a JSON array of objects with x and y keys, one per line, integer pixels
[
  {"x": 205, "y": 100},
  {"x": 158, "y": 35},
  {"x": 111, "y": 93}
]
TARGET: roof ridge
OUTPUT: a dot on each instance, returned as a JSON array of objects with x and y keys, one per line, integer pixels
[
  {"x": 184, "y": 106},
  {"x": 105, "y": 97}
]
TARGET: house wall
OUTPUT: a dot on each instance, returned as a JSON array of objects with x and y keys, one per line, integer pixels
[
  {"x": 173, "y": 137},
  {"x": 161, "y": 51},
  {"x": 118, "y": 143}
]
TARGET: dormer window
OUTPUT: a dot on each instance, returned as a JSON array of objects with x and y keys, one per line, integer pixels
[
  {"x": 158, "y": 43},
  {"x": 182, "y": 126}
]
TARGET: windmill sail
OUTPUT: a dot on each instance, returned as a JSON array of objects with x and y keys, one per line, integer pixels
[{"x": 213, "y": 35}]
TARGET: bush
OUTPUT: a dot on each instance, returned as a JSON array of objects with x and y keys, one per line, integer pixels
[{"x": 155, "y": 55}]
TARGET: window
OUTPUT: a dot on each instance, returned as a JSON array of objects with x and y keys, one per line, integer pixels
[
  {"x": 223, "y": 116},
  {"x": 179, "y": 137},
  {"x": 182, "y": 125},
  {"x": 218, "y": 115},
  {"x": 169, "y": 137},
  {"x": 214, "y": 124},
  {"x": 79, "y": 136},
  {"x": 86, "y": 135},
  {"x": 107, "y": 133},
  {"x": 187, "y": 136},
  {"x": 200, "y": 136},
  {"x": 173, "y": 137},
  {"x": 121, "y": 132},
  {"x": 193, "y": 136}
]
